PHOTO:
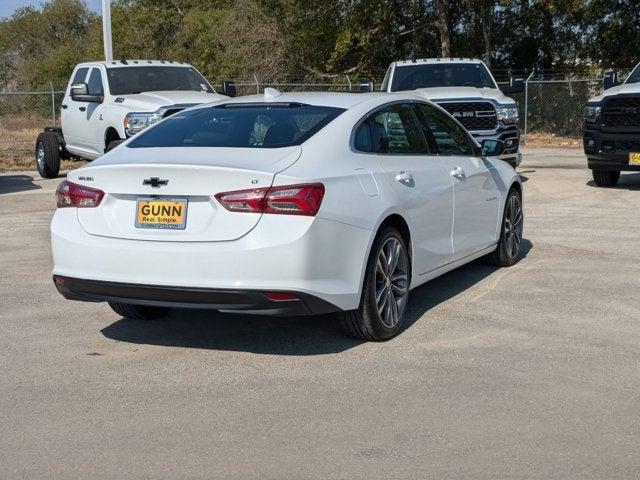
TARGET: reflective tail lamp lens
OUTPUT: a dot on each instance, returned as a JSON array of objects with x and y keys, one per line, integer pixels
[{"x": 302, "y": 199}]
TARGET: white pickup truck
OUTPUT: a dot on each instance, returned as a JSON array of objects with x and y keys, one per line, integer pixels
[
  {"x": 466, "y": 89},
  {"x": 107, "y": 102}
]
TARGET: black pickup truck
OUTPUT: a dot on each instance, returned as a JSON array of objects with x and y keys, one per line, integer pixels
[{"x": 612, "y": 130}]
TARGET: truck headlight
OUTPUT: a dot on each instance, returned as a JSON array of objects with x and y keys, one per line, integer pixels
[
  {"x": 508, "y": 115},
  {"x": 136, "y": 122},
  {"x": 592, "y": 113}
]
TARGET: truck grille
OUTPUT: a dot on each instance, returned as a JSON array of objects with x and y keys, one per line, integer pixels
[
  {"x": 621, "y": 112},
  {"x": 473, "y": 115},
  {"x": 628, "y": 146}
]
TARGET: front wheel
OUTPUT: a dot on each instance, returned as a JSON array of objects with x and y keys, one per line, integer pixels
[
  {"x": 605, "y": 178},
  {"x": 509, "y": 248},
  {"x": 139, "y": 312},
  {"x": 385, "y": 292}
]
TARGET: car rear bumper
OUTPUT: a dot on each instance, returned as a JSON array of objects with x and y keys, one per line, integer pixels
[
  {"x": 250, "y": 301},
  {"x": 610, "y": 151},
  {"x": 309, "y": 256}
]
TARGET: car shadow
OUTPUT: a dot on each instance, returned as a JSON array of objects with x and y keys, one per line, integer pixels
[
  {"x": 449, "y": 285},
  {"x": 296, "y": 336},
  {"x": 17, "y": 183},
  {"x": 628, "y": 181}
]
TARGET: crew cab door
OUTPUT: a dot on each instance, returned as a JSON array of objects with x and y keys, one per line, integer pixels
[
  {"x": 475, "y": 182},
  {"x": 72, "y": 117},
  {"x": 417, "y": 179}
]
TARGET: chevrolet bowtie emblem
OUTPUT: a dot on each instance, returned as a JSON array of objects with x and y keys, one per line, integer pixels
[{"x": 155, "y": 182}]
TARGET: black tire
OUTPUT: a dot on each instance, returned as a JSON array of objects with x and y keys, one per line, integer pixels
[
  {"x": 113, "y": 144},
  {"x": 48, "y": 155},
  {"x": 605, "y": 178},
  {"x": 139, "y": 312},
  {"x": 366, "y": 322},
  {"x": 509, "y": 249}
]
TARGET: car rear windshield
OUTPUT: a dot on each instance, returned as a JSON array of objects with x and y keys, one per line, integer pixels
[
  {"x": 239, "y": 125},
  {"x": 132, "y": 80},
  {"x": 411, "y": 77}
]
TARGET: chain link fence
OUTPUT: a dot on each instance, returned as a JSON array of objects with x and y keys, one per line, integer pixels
[{"x": 546, "y": 106}]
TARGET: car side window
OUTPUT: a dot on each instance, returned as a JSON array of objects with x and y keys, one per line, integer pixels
[
  {"x": 391, "y": 130},
  {"x": 94, "y": 85},
  {"x": 449, "y": 137}
]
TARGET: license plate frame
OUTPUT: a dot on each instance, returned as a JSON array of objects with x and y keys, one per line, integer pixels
[
  {"x": 634, "y": 158},
  {"x": 161, "y": 225}
]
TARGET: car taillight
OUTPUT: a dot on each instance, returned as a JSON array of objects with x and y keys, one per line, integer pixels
[
  {"x": 283, "y": 200},
  {"x": 69, "y": 194}
]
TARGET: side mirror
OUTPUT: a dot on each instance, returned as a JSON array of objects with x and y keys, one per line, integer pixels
[
  {"x": 610, "y": 79},
  {"x": 516, "y": 85},
  {"x": 229, "y": 88},
  {"x": 365, "y": 87},
  {"x": 80, "y": 93},
  {"x": 491, "y": 148}
]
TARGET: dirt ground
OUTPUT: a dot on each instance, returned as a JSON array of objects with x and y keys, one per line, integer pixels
[
  {"x": 549, "y": 140},
  {"x": 17, "y": 144}
]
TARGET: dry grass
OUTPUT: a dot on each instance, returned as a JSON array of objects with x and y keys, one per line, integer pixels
[
  {"x": 18, "y": 143},
  {"x": 549, "y": 140}
]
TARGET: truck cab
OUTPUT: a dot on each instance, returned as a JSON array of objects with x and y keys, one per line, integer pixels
[
  {"x": 105, "y": 103},
  {"x": 611, "y": 135},
  {"x": 467, "y": 90}
]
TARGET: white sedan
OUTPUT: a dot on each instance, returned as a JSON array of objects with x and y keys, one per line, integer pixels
[{"x": 286, "y": 204}]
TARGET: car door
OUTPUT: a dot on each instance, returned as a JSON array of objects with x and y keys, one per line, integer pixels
[
  {"x": 94, "y": 113},
  {"x": 73, "y": 124},
  {"x": 475, "y": 185},
  {"x": 418, "y": 181}
]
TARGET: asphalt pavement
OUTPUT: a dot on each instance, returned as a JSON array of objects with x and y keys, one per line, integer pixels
[{"x": 527, "y": 372}]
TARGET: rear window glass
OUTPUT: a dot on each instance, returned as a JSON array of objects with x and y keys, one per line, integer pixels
[{"x": 238, "y": 125}]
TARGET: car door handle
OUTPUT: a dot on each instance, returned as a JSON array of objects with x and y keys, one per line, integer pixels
[
  {"x": 458, "y": 173},
  {"x": 64, "y": 106},
  {"x": 83, "y": 109},
  {"x": 404, "y": 177}
]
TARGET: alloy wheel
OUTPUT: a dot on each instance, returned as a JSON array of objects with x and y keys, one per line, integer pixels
[
  {"x": 391, "y": 285},
  {"x": 513, "y": 226}
]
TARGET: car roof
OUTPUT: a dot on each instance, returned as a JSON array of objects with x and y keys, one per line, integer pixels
[
  {"x": 134, "y": 63},
  {"x": 326, "y": 99},
  {"x": 429, "y": 61}
]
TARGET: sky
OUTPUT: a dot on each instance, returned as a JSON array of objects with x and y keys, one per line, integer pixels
[{"x": 7, "y": 7}]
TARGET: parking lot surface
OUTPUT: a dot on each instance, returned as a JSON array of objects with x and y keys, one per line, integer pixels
[{"x": 527, "y": 372}]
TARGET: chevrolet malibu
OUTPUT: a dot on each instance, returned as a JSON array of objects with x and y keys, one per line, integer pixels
[{"x": 286, "y": 204}]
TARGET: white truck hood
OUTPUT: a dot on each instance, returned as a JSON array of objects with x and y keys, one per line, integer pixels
[
  {"x": 441, "y": 94},
  {"x": 152, "y": 101},
  {"x": 624, "y": 88}
]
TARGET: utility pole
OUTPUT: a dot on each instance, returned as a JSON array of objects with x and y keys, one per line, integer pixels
[{"x": 106, "y": 30}]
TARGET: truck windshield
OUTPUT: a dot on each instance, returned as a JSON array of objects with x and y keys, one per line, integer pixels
[
  {"x": 410, "y": 77},
  {"x": 635, "y": 76},
  {"x": 249, "y": 125},
  {"x": 131, "y": 80}
]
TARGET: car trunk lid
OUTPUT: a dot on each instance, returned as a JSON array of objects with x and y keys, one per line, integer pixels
[{"x": 190, "y": 176}]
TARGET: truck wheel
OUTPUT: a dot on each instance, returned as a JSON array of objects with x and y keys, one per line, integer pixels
[
  {"x": 139, "y": 312},
  {"x": 113, "y": 144},
  {"x": 48, "y": 155},
  {"x": 605, "y": 178}
]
